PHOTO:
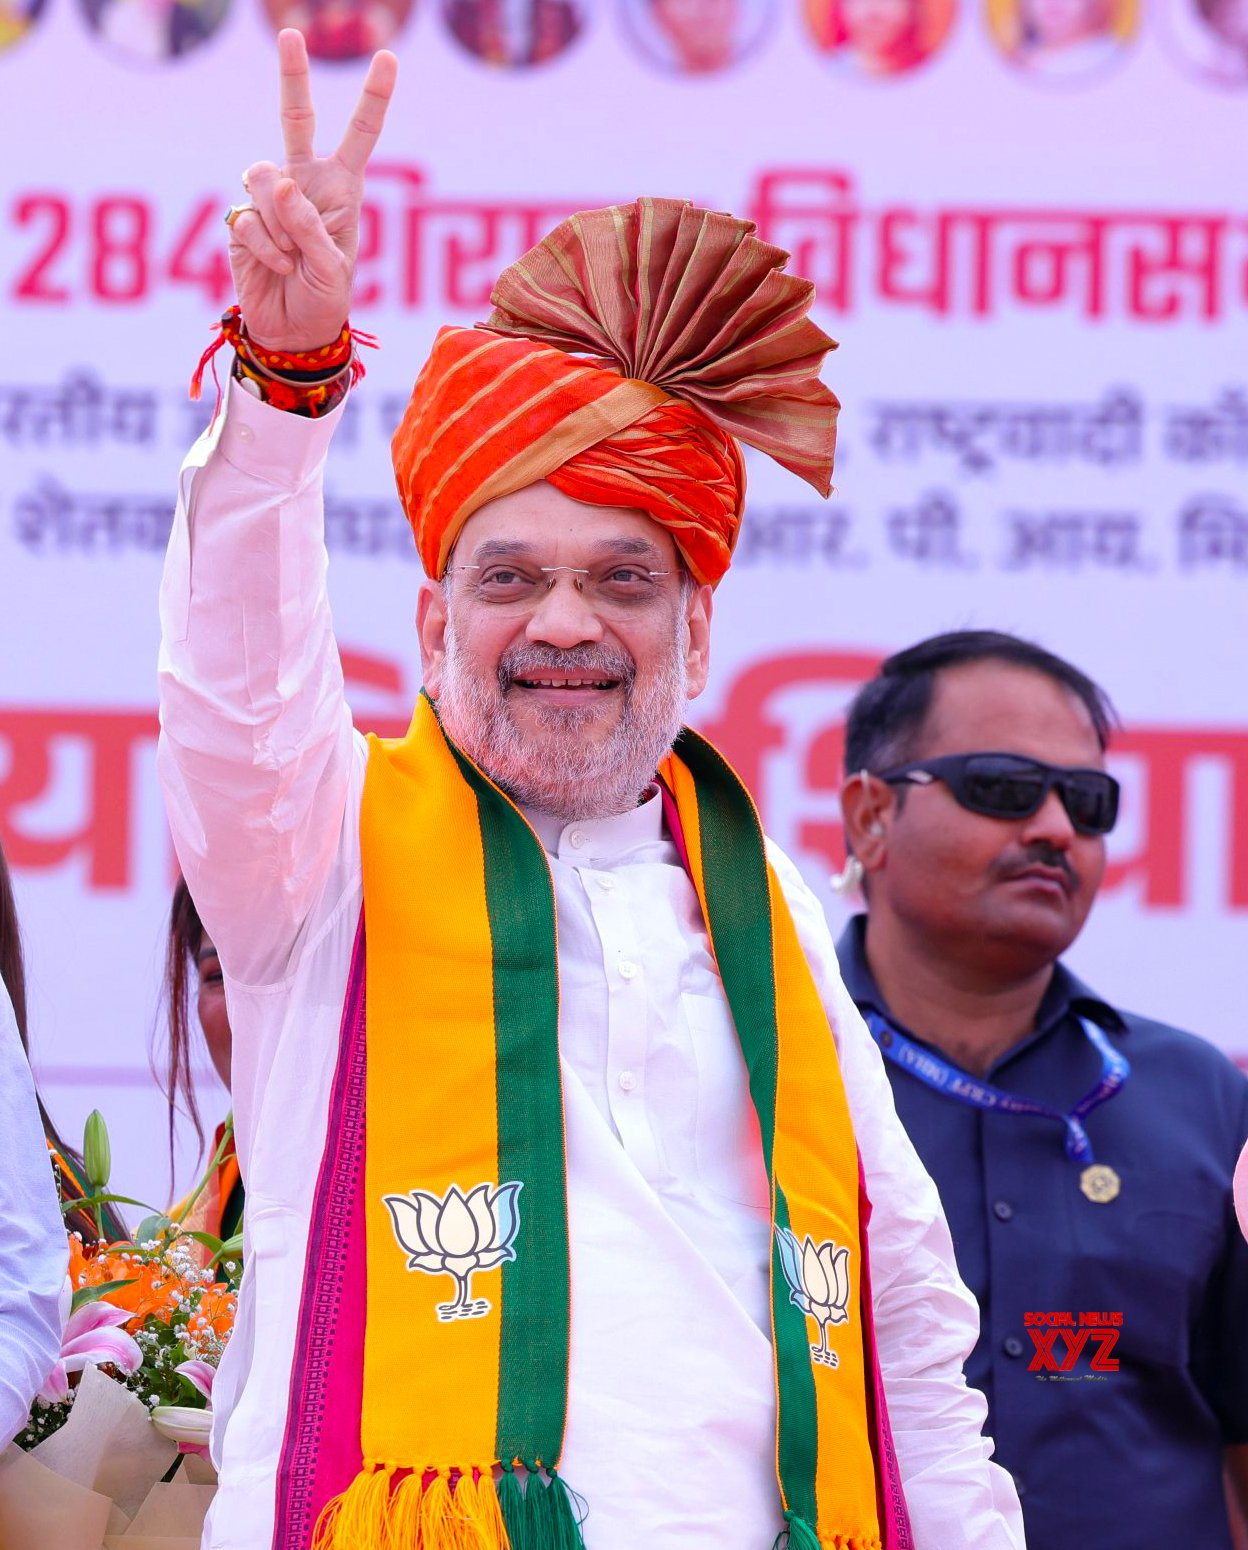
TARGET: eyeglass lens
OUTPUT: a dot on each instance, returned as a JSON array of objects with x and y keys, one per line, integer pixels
[
  {"x": 512, "y": 587},
  {"x": 1089, "y": 796}
]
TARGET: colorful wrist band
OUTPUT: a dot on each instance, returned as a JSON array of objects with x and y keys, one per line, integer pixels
[{"x": 310, "y": 382}]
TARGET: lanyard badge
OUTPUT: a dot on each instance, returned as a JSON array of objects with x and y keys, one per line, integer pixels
[{"x": 1099, "y": 1182}]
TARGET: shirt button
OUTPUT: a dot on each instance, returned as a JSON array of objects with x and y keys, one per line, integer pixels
[
  {"x": 1002, "y": 1210},
  {"x": 606, "y": 882},
  {"x": 627, "y": 1081},
  {"x": 628, "y": 970},
  {"x": 245, "y": 433},
  {"x": 1012, "y": 1345},
  {"x": 576, "y": 838}
]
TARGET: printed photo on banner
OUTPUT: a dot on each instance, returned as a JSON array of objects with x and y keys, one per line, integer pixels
[
  {"x": 341, "y": 29},
  {"x": 1062, "y": 41},
  {"x": 17, "y": 18},
  {"x": 1210, "y": 37},
  {"x": 697, "y": 37},
  {"x": 879, "y": 37},
  {"x": 150, "y": 31},
  {"x": 514, "y": 34}
]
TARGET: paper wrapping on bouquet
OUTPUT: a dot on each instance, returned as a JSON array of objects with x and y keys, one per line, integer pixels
[{"x": 96, "y": 1483}]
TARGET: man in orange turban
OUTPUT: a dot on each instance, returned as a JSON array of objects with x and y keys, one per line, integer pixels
[
  {"x": 567, "y": 1157},
  {"x": 627, "y": 356}
]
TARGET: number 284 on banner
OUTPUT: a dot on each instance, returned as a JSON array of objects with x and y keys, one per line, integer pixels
[{"x": 108, "y": 249}]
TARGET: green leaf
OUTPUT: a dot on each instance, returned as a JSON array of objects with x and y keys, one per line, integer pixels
[
  {"x": 70, "y": 1206},
  {"x": 206, "y": 1238},
  {"x": 157, "y": 1225},
  {"x": 86, "y": 1294}
]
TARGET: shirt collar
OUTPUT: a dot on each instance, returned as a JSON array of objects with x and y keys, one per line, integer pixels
[
  {"x": 601, "y": 839},
  {"x": 1066, "y": 993}
]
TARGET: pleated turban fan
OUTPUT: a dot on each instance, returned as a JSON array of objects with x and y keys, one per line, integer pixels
[{"x": 627, "y": 356}]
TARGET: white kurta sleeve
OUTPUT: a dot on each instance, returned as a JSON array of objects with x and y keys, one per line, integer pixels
[
  {"x": 256, "y": 744},
  {"x": 926, "y": 1321},
  {"x": 34, "y": 1256}
]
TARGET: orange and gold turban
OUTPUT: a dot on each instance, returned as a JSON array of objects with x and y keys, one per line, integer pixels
[{"x": 627, "y": 356}]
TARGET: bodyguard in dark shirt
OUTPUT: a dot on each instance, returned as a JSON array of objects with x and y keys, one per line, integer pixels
[{"x": 1083, "y": 1154}]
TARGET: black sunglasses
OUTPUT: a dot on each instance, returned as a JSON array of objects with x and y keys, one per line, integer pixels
[{"x": 1006, "y": 785}]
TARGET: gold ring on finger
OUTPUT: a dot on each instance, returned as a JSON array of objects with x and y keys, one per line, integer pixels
[{"x": 233, "y": 213}]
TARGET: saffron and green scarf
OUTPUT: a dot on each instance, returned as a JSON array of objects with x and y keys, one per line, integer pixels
[{"x": 457, "y": 1186}]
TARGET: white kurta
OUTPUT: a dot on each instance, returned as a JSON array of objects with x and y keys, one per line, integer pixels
[
  {"x": 670, "y": 1434},
  {"x": 34, "y": 1255}
]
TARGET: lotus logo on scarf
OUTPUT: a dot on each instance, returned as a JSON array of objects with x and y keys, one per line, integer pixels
[
  {"x": 818, "y": 1277},
  {"x": 456, "y": 1236}
]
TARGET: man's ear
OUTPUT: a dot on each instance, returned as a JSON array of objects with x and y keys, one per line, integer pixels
[
  {"x": 431, "y": 625},
  {"x": 868, "y": 806},
  {"x": 698, "y": 649}
]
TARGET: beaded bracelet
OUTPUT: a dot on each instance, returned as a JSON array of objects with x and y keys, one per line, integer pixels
[{"x": 308, "y": 382}]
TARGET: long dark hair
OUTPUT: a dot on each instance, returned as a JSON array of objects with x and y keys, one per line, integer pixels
[
  {"x": 13, "y": 973},
  {"x": 186, "y": 935}
]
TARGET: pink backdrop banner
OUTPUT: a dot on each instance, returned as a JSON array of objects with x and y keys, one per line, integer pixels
[{"x": 1040, "y": 280}]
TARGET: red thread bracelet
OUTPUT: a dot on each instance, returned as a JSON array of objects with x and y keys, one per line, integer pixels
[{"x": 288, "y": 379}]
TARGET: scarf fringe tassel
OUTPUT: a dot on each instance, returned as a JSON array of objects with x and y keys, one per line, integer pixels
[
  {"x": 453, "y": 1510},
  {"x": 798, "y": 1535}
]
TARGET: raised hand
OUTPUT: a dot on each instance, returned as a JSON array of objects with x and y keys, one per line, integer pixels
[{"x": 293, "y": 251}]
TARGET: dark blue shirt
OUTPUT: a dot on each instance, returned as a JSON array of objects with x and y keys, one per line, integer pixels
[{"x": 1104, "y": 1460}]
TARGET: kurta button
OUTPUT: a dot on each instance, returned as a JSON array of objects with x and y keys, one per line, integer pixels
[
  {"x": 628, "y": 970},
  {"x": 1002, "y": 1210},
  {"x": 627, "y": 1081},
  {"x": 606, "y": 882},
  {"x": 576, "y": 838},
  {"x": 1012, "y": 1345}
]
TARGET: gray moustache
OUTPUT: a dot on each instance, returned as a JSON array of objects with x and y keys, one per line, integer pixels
[{"x": 533, "y": 661}]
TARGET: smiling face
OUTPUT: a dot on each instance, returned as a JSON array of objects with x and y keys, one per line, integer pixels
[
  {"x": 1008, "y": 894},
  {"x": 1062, "y": 23},
  {"x": 875, "y": 29},
  {"x": 702, "y": 32},
  {"x": 559, "y": 663}
]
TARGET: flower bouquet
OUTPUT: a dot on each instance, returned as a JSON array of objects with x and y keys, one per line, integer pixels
[{"x": 114, "y": 1454}]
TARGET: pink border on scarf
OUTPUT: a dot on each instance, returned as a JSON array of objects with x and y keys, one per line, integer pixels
[
  {"x": 895, "y": 1530},
  {"x": 321, "y": 1452}
]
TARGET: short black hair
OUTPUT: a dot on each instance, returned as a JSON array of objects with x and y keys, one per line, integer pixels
[{"x": 888, "y": 712}]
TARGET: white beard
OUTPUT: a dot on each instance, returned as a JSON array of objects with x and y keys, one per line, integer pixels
[{"x": 557, "y": 771}]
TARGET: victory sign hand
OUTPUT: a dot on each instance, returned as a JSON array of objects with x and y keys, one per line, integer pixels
[{"x": 292, "y": 251}]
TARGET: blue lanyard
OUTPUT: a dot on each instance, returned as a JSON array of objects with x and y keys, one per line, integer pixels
[{"x": 955, "y": 1083}]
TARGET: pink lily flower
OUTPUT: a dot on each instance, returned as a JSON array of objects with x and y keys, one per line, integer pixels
[
  {"x": 199, "y": 1374},
  {"x": 91, "y": 1337}
]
